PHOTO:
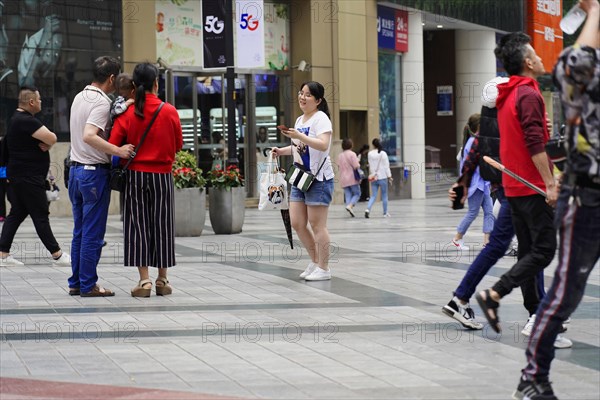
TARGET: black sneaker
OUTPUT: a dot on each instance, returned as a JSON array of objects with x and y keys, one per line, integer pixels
[
  {"x": 532, "y": 390},
  {"x": 366, "y": 213},
  {"x": 463, "y": 314}
]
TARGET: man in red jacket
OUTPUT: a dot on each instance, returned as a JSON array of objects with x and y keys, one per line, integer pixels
[{"x": 523, "y": 136}]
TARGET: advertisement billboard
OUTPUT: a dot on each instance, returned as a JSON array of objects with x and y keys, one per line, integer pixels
[{"x": 51, "y": 44}]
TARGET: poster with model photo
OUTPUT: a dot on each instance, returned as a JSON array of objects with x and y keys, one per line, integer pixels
[
  {"x": 179, "y": 31},
  {"x": 51, "y": 44},
  {"x": 277, "y": 36}
]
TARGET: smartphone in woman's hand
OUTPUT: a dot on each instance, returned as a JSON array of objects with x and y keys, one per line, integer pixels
[{"x": 460, "y": 192}]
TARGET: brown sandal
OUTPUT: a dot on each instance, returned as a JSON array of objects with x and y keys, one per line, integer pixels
[
  {"x": 98, "y": 291},
  {"x": 140, "y": 290},
  {"x": 164, "y": 288}
]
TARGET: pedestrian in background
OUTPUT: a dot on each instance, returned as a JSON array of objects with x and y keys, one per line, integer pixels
[
  {"x": 363, "y": 159},
  {"x": 27, "y": 144},
  {"x": 347, "y": 162},
  {"x": 379, "y": 176},
  {"x": 478, "y": 192}
]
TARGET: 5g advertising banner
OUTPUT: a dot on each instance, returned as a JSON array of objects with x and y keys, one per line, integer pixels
[
  {"x": 213, "y": 14},
  {"x": 250, "y": 34}
]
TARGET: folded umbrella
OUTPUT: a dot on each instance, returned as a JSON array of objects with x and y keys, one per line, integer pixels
[{"x": 285, "y": 215}]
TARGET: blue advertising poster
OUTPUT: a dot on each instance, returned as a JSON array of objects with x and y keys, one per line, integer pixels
[
  {"x": 444, "y": 100},
  {"x": 386, "y": 28}
]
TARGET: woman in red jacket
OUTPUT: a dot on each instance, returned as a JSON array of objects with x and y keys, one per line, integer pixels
[{"x": 148, "y": 207}]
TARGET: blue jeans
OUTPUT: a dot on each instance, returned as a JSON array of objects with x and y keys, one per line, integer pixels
[
  {"x": 500, "y": 239},
  {"x": 352, "y": 194},
  {"x": 319, "y": 194},
  {"x": 476, "y": 200},
  {"x": 375, "y": 186},
  {"x": 578, "y": 253},
  {"x": 90, "y": 196}
]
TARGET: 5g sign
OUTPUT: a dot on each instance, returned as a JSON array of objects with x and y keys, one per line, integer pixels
[
  {"x": 213, "y": 24},
  {"x": 248, "y": 23},
  {"x": 250, "y": 35}
]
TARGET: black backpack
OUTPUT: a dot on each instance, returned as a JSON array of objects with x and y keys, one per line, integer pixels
[{"x": 489, "y": 144}]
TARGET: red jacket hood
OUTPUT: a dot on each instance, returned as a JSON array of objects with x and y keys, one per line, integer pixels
[{"x": 505, "y": 89}]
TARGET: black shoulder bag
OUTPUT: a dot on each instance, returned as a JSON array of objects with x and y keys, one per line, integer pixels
[{"x": 118, "y": 173}]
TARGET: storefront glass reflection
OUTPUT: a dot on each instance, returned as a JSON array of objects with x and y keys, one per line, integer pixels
[{"x": 51, "y": 45}]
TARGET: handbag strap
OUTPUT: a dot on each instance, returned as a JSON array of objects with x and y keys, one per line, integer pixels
[
  {"x": 378, "y": 163},
  {"x": 144, "y": 135}
]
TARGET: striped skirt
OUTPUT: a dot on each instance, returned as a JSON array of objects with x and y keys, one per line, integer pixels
[{"x": 148, "y": 220}]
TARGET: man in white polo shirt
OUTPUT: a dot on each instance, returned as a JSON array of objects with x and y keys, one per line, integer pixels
[{"x": 89, "y": 175}]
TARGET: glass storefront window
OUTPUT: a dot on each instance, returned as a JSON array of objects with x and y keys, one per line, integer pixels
[
  {"x": 267, "y": 103},
  {"x": 390, "y": 119},
  {"x": 51, "y": 44}
]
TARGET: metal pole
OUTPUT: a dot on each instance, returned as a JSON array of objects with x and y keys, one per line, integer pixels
[
  {"x": 230, "y": 75},
  {"x": 195, "y": 116},
  {"x": 250, "y": 136}
]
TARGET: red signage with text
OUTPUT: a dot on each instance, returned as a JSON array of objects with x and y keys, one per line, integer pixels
[
  {"x": 543, "y": 26},
  {"x": 401, "y": 30}
]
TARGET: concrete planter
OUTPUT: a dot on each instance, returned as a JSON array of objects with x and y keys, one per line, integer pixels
[
  {"x": 190, "y": 211},
  {"x": 227, "y": 209}
]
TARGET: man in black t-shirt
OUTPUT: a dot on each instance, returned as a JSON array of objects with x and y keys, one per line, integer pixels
[{"x": 27, "y": 145}]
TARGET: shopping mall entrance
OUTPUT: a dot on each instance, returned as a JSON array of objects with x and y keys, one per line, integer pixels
[{"x": 262, "y": 101}]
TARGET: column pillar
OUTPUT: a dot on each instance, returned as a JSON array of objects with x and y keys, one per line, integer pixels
[
  {"x": 413, "y": 108},
  {"x": 475, "y": 65}
]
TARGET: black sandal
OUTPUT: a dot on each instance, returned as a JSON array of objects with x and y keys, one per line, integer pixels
[{"x": 489, "y": 307}]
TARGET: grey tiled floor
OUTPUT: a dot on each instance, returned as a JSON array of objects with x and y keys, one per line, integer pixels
[{"x": 241, "y": 323}]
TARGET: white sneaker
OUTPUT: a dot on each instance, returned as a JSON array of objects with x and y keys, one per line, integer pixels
[
  {"x": 319, "y": 274},
  {"x": 528, "y": 326},
  {"x": 309, "y": 270},
  {"x": 562, "y": 342},
  {"x": 10, "y": 261},
  {"x": 63, "y": 261},
  {"x": 387, "y": 215},
  {"x": 349, "y": 209},
  {"x": 460, "y": 244},
  {"x": 463, "y": 314}
]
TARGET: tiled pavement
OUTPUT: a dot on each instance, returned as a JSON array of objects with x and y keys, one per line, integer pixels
[{"x": 241, "y": 324}]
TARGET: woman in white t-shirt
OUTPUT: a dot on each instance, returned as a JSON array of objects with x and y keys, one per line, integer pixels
[
  {"x": 311, "y": 142},
  {"x": 379, "y": 168}
]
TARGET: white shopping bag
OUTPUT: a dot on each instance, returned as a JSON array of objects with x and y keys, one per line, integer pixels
[{"x": 273, "y": 187}]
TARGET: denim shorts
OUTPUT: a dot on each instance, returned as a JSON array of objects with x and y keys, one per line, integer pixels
[{"x": 319, "y": 194}]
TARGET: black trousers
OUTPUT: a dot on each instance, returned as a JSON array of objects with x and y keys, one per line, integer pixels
[
  {"x": 3, "y": 197},
  {"x": 27, "y": 196},
  {"x": 533, "y": 222}
]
